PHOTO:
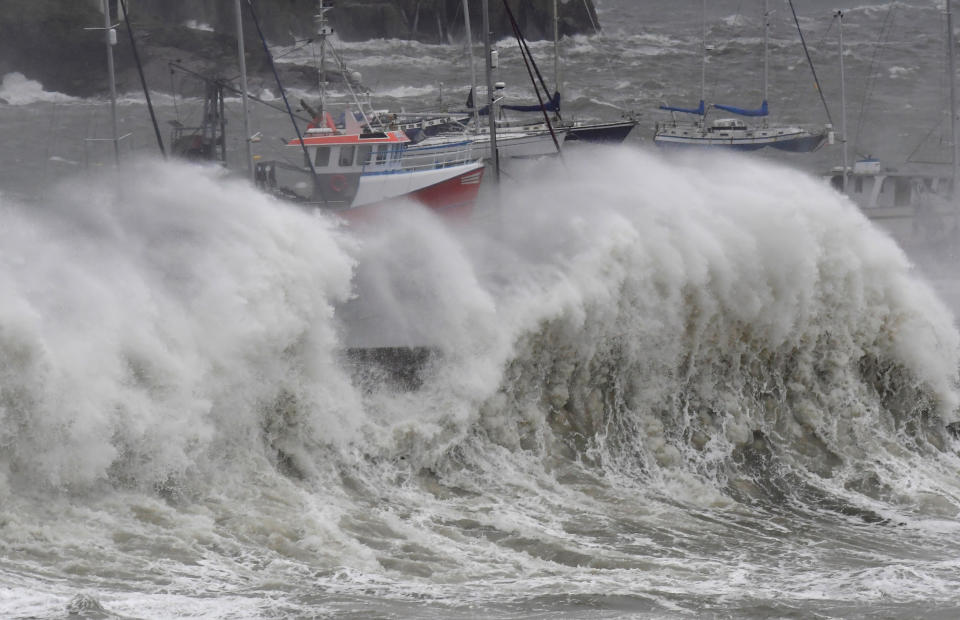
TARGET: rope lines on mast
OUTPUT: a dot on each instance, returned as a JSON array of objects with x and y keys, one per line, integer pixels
[{"x": 885, "y": 30}]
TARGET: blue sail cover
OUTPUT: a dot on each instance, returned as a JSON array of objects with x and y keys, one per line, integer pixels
[
  {"x": 699, "y": 110},
  {"x": 762, "y": 111}
]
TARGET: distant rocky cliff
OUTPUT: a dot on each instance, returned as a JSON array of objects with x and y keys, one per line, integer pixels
[{"x": 46, "y": 40}]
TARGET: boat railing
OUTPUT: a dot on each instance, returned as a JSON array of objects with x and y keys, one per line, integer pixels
[{"x": 412, "y": 159}]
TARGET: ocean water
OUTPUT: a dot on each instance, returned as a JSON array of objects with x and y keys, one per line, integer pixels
[{"x": 658, "y": 386}]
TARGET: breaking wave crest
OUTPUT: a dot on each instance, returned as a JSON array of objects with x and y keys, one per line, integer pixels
[{"x": 630, "y": 358}]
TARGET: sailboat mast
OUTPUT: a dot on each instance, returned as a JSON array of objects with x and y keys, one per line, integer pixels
[
  {"x": 955, "y": 156},
  {"x": 473, "y": 66},
  {"x": 703, "y": 59},
  {"x": 242, "y": 58},
  {"x": 111, "y": 40},
  {"x": 322, "y": 32},
  {"x": 556, "y": 46},
  {"x": 843, "y": 105},
  {"x": 491, "y": 113},
  {"x": 766, "y": 46}
]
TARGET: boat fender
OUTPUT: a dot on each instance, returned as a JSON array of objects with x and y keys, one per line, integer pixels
[{"x": 338, "y": 183}]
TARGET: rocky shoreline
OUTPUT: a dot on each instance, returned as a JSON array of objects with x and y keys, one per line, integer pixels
[{"x": 46, "y": 40}]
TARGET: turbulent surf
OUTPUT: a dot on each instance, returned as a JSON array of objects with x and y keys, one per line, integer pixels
[{"x": 654, "y": 388}]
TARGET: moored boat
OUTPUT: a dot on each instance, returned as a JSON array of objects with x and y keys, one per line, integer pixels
[
  {"x": 357, "y": 173},
  {"x": 733, "y": 133}
]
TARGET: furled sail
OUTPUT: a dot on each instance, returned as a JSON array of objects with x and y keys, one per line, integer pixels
[{"x": 761, "y": 111}]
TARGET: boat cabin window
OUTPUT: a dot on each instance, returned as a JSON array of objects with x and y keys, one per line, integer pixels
[
  {"x": 363, "y": 154},
  {"x": 346, "y": 155},
  {"x": 322, "y": 158},
  {"x": 382, "y": 153}
]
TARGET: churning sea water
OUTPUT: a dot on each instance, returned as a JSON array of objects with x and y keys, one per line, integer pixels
[{"x": 659, "y": 386}]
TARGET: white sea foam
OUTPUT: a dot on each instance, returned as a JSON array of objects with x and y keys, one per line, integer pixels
[
  {"x": 196, "y": 25},
  {"x": 663, "y": 382},
  {"x": 16, "y": 89}
]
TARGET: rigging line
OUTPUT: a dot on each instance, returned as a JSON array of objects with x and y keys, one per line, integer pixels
[
  {"x": 173, "y": 92},
  {"x": 871, "y": 77},
  {"x": 174, "y": 66},
  {"x": 283, "y": 93},
  {"x": 819, "y": 44},
  {"x": 596, "y": 27},
  {"x": 143, "y": 80},
  {"x": 813, "y": 70},
  {"x": 527, "y": 60},
  {"x": 920, "y": 144},
  {"x": 346, "y": 81},
  {"x": 525, "y": 46}
]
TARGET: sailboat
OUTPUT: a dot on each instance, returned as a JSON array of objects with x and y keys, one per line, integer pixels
[
  {"x": 359, "y": 168},
  {"x": 734, "y": 133},
  {"x": 611, "y": 132}
]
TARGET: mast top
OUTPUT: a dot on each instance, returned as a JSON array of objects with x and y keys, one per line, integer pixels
[{"x": 320, "y": 19}]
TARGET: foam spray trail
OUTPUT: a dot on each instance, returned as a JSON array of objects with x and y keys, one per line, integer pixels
[
  {"x": 713, "y": 333},
  {"x": 657, "y": 380},
  {"x": 140, "y": 325}
]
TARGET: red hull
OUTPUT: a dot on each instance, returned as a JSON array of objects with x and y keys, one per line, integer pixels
[{"x": 453, "y": 198}]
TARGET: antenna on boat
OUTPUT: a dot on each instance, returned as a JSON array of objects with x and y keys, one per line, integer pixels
[
  {"x": 491, "y": 100},
  {"x": 241, "y": 55},
  {"x": 843, "y": 103}
]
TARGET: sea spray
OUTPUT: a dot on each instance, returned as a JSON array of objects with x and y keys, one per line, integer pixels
[
  {"x": 152, "y": 316},
  {"x": 653, "y": 384}
]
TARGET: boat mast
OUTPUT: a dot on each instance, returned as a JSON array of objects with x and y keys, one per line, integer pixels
[
  {"x": 491, "y": 114},
  {"x": 953, "y": 98},
  {"x": 556, "y": 46},
  {"x": 703, "y": 60},
  {"x": 766, "y": 50},
  {"x": 843, "y": 104},
  {"x": 111, "y": 40},
  {"x": 242, "y": 58},
  {"x": 322, "y": 32},
  {"x": 473, "y": 66},
  {"x": 143, "y": 80}
]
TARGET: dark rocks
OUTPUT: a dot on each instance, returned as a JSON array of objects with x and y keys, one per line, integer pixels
[{"x": 47, "y": 40}]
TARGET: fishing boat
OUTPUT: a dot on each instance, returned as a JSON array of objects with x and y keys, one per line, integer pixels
[
  {"x": 734, "y": 133},
  {"x": 358, "y": 169},
  {"x": 355, "y": 173},
  {"x": 914, "y": 201}
]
